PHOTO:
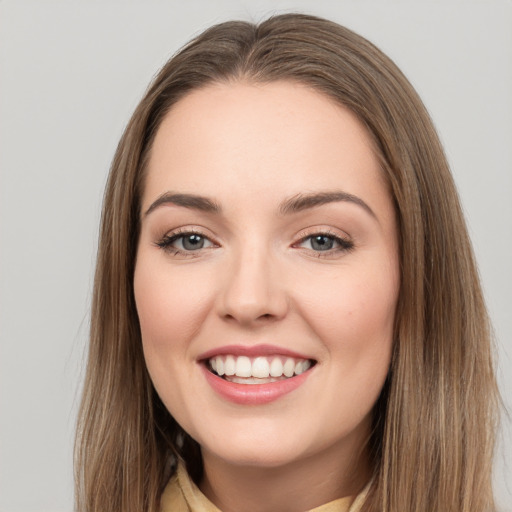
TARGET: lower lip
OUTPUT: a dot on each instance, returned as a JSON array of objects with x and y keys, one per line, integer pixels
[{"x": 254, "y": 394}]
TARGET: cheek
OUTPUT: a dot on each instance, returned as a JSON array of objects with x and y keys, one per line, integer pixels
[
  {"x": 354, "y": 307},
  {"x": 354, "y": 313},
  {"x": 169, "y": 305}
]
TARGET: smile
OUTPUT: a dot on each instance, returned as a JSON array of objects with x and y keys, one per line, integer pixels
[
  {"x": 255, "y": 375},
  {"x": 257, "y": 370}
]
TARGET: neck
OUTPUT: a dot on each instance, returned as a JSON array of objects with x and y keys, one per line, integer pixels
[{"x": 298, "y": 485}]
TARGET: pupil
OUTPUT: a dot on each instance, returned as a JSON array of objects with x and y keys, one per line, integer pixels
[
  {"x": 322, "y": 243},
  {"x": 193, "y": 242}
]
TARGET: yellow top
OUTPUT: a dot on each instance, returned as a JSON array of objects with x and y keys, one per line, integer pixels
[{"x": 182, "y": 495}]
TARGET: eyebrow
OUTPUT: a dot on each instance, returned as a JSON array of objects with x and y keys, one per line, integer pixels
[
  {"x": 294, "y": 204},
  {"x": 192, "y": 201},
  {"x": 302, "y": 202}
]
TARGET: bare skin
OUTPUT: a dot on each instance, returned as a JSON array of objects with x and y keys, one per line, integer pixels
[
  {"x": 326, "y": 478},
  {"x": 267, "y": 225}
]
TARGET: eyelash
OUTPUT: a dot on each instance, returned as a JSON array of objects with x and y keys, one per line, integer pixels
[
  {"x": 167, "y": 240},
  {"x": 344, "y": 244},
  {"x": 166, "y": 243}
]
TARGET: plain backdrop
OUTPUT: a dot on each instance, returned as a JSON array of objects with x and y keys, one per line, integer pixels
[{"x": 71, "y": 73}]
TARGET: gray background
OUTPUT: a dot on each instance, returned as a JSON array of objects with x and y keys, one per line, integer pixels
[{"x": 71, "y": 72}]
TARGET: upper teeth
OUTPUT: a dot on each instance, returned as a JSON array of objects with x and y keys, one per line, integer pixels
[{"x": 259, "y": 367}]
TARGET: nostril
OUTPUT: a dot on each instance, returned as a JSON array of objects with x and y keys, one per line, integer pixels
[
  {"x": 245, "y": 317},
  {"x": 250, "y": 295}
]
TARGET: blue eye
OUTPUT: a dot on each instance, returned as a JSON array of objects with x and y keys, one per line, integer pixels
[
  {"x": 191, "y": 242},
  {"x": 184, "y": 242},
  {"x": 322, "y": 242}
]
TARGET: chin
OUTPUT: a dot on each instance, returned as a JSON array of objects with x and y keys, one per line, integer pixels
[
  {"x": 263, "y": 445},
  {"x": 255, "y": 457}
]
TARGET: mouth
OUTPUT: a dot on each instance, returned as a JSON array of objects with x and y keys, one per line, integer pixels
[{"x": 257, "y": 370}]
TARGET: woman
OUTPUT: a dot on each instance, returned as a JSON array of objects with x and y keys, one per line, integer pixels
[{"x": 287, "y": 313}]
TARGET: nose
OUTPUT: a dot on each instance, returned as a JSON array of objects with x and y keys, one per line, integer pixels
[{"x": 253, "y": 291}]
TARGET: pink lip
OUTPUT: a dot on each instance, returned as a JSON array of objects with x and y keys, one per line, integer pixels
[
  {"x": 251, "y": 351},
  {"x": 253, "y": 394}
]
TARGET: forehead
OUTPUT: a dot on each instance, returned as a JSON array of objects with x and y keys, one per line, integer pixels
[{"x": 275, "y": 138}]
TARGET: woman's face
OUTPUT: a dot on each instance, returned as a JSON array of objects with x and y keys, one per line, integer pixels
[{"x": 268, "y": 249}]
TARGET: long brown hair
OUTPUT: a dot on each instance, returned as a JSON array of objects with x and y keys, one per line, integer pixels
[{"x": 434, "y": 424}]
